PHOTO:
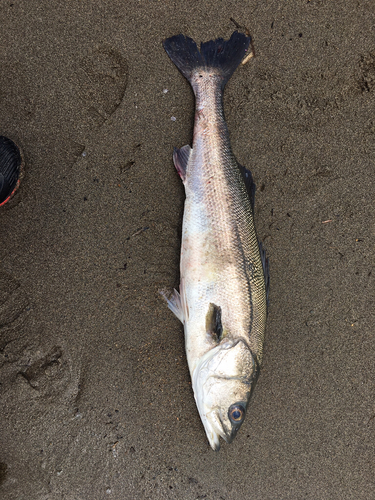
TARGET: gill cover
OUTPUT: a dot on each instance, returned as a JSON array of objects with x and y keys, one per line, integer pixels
[{"x": 223, "y": 381}]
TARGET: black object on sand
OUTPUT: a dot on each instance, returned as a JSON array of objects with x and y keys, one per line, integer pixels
[{"x": 10, "y": 168}]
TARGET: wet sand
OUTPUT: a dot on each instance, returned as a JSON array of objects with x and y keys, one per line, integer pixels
[{"x": 95, "y": 397}]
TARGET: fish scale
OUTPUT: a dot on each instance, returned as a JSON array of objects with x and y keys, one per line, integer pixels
[{"x": 223, "y": 200}]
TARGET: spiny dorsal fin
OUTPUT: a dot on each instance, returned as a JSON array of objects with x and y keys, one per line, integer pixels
[
  {"x": 249, "y": 183},
  {"x": 266, "y": 269}
]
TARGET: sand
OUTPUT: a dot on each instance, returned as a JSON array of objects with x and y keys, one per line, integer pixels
[{"x": 96, "y": 400}]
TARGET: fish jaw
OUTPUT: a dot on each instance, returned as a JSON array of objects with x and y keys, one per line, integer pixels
[
  {"x": 215, "y": 427},
  {"x": 213, "y": 432},
  {"x": 224, "y": 376}
]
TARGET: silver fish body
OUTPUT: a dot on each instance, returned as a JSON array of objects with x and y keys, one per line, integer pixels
[{"x": 222, "y": 299}]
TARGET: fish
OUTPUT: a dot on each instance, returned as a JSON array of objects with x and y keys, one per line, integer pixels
[{"x": 224, "y": 276}]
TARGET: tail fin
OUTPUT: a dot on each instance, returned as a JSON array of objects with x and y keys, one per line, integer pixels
[{"x": 223, "y": 54}]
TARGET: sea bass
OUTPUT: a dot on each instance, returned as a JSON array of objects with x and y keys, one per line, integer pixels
[{"x": 222, "y": 301}]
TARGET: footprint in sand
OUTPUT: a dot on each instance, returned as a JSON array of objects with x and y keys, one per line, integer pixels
[
  {"x": 49, "y": 374},
  {"x": 14, "y": 305},
  {"x": 100, "y": 79},
  {"x": 366, "y": 78},
  {"x": 98, "y": 82},
  {"x": 42, "y": 371}
]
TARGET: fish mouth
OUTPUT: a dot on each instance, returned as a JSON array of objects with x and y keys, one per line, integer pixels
[
  {"x": 216, "y": 428},
  {"x": 213, "y": 430}
]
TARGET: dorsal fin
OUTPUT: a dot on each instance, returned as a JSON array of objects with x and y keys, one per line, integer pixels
[
  {"x": 266, "y": 269},
  {"x": 249, "y": 183}
]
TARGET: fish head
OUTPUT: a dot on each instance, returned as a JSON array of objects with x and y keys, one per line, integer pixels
[{"x": 223, "y": 381}]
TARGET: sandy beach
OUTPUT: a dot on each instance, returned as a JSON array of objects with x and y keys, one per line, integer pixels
[{"x": 95, "y": 395}]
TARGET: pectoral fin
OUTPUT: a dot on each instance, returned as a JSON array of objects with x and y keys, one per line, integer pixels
[{"x": 214, "y": 326}]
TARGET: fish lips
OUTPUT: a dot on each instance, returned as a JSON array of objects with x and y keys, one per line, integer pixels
[{"x": 217, "y": 427}]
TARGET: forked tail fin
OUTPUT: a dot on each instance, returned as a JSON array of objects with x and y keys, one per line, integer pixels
[{"x": 224, "y": 55}]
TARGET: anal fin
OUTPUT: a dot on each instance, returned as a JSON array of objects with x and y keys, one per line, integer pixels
[{"x": 181, "y": 158}]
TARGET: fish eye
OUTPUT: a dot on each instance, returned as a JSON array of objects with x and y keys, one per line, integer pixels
[{"x": 236, "y": 413}]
